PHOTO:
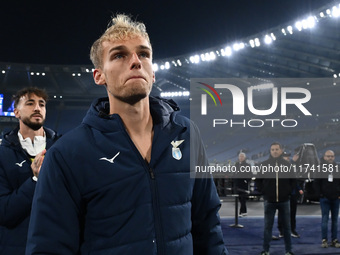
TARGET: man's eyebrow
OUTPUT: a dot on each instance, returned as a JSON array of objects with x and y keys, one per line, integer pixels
[
  {"x": 123, "y": 47},
  {"x": 143, "y": 47},
  {"x": 117, "y": 48},
  {"x": 40, "y": 101}
]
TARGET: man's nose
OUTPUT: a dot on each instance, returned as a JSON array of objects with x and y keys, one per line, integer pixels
[
  {"x": 37, "y": 107},
  {"x": 135, "y": 61}
]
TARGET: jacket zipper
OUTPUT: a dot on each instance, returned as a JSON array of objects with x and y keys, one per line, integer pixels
[
  {"x": 156, "y": 210},
  {"x": 158, "y": 227}
]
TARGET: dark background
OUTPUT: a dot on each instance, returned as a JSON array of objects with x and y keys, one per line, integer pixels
[{"x": 62, "y": 32}]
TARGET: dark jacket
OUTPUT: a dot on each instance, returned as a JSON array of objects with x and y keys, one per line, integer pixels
[
  {"x": 241, "y": 184},
  {"x": 97, "y": 195},
  {"x": 275, "y": 186},
  {"x": 323, "y": 187},
  {"x": 16, "y": 192}
]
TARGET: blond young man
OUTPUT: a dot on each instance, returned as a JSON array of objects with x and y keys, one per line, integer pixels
[{"x": 120, "y": 182}]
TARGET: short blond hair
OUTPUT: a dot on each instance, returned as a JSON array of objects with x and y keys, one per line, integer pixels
[{"x": 121, "y": 27}]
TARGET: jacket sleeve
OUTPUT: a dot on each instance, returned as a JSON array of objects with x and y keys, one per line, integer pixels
[
  {"x": 206, "y": 228},
  {"x": 54, "y": 224},
  {"x": 15, "y": 204}
]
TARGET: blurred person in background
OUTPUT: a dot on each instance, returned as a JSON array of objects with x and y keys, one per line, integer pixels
[{"x": 328, "y": 189}]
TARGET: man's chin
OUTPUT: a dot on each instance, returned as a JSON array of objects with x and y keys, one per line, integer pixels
[
  {"x": 132, "y": 99},
  {"x": 33, "y": 125}
]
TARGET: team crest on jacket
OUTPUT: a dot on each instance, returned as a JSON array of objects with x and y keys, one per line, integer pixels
[{"x": 176, "y": 152}]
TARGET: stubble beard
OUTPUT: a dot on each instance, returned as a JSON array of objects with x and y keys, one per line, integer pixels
[
  {"x": 131, "y": 99},
  {"x": 134, "y": 96},
  {"x": 33, "y": 125}
]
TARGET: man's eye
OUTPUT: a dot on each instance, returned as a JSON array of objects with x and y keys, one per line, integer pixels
[
  {"x": 118, "y": 56},
  {"x": 144, "y": 54}
]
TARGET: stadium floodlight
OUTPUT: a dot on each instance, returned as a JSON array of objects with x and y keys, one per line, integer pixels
[
  {"x": 335, "y": 12},
  {"x": 290, "y": 29},
  {"x": 235, "y": 47},
  {"x": 283, "y": 31},
  {"x": 335, "y": 76},
  {"x": 263, "y": 86},
  {"x": 212, "y": 55},
  {"x": 202, "y": 57},
  {"x": 155, "y": 67},
  {"x": 298, "y": 25},
  {"x": 252, "y": 43},
  {"x": 308, "y": 23},
  {"x": 273, "y": 36},
  {"x": 268, "y": 39},
  {"x": 167, "y": 65},
  {"x": 175, "y": 94},
  {"x": 322, "y": 14},
  {"x": 238, "y": 46},
  {"x": 32, "y": 73},
  {"x": 194, "y": 59},
  {"x": 207, "y": 56},
  {"x": 328, "y": 12},
  {"x": 3, "y": 71},
  {"x": 179, "y": 62},
  {"x": 227, "y": 51},
  {"x": 257, "y": 42}
]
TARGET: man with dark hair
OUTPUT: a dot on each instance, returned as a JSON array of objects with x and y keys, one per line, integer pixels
[
  {"x": 276, "y": 189},
  {"x": 22, "y": 152},
  {"x": 297, "y": 190}
]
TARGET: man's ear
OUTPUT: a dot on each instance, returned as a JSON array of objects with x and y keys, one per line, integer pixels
[
  {"x": 99, "y": 77},
  {"x": 16, "y": 113}
]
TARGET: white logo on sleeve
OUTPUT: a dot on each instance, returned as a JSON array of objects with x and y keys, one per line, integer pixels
[
  {"x": 20, "y": 164},
  {"x": 176, "y": 152},
  {"x": 111, "y": 159}
]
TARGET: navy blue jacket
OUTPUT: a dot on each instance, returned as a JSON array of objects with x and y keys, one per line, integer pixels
[
  {"x": 97, "y": 195},
  {"x": 16, "y": 192}
]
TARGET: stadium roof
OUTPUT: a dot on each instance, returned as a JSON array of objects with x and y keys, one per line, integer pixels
[{"x": 307, "y": 46}]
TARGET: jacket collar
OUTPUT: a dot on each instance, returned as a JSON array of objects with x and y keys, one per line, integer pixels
[
  {"x": 162, "y": 111},
  {"x": 11, "y": 138}
]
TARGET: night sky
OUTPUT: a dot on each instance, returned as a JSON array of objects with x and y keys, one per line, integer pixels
[{"x": 62, "y": 32}]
